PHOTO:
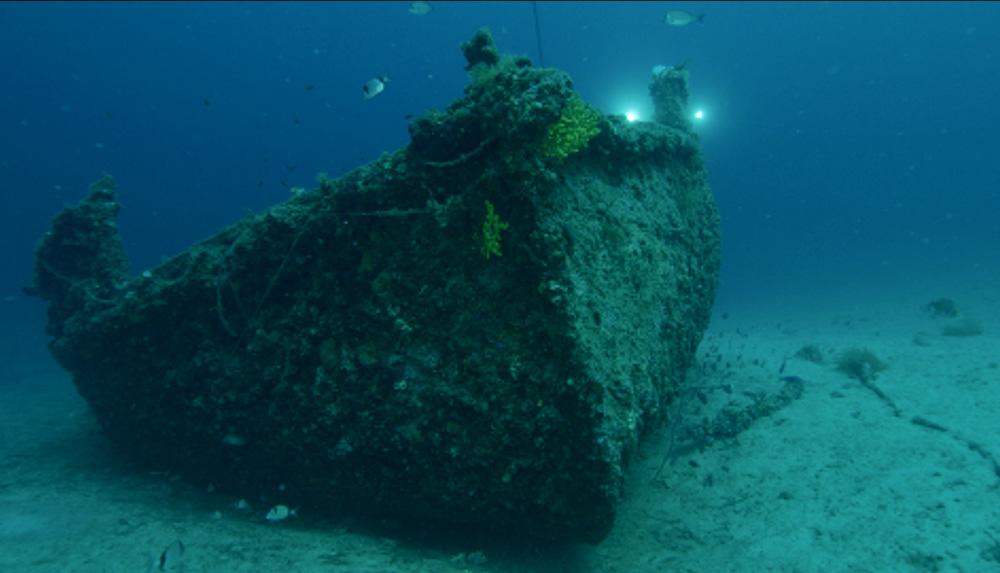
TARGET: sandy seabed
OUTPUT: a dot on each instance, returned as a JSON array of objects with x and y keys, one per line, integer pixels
[{"x": 900, "y": 474}]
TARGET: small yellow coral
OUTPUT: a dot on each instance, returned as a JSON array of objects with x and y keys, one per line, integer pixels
[
  {"x": 492, "y": 226},
  {"x": 576, "y": 126}
]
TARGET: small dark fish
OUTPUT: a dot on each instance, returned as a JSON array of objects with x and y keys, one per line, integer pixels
[
  {"x": 206, "y": 102},
  {"x": 408, "y": 116},
  {"x": 285, "y": 185},
  {"x": 374, "y": 86},
  {"x": 297, "y": 121},
  {"x": 260, "y": 184},
  {"x": 309, "y": 87},
  {"x": 290, "y": 167},
  {"x": 943, "y": 307},
  {"x": 110, "y": 115}
]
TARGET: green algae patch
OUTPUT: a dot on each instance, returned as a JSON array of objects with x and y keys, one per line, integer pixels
[{"x": 577, "y": 125}]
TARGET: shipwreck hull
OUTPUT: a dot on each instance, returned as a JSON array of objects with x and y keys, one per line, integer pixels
[{"x": 477, "y": 328}]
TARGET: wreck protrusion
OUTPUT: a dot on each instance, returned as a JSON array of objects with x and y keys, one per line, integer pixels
[
  {"x": 670, "y": 95},
  {"x": 80, "y": 262}
]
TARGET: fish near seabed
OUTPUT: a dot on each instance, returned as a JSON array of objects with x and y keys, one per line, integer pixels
[
  {"x": 281, "y": 512},
  {"x": 170, "y": 559},
  {"x": 678, "y": 18}
]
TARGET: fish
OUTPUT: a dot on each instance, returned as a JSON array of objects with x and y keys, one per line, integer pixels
[
  {"x": 171, "y": 556},
  {"x": 680, "y": 18},
  {"x": 420, "y": 8},
  {"x": 374, "y": 86},
  {"x": 232, "y": 439},
  {"x": 280, "y": 512}
]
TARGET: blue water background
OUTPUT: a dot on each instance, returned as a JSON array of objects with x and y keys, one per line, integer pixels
[{"x": 848, "y": 144}]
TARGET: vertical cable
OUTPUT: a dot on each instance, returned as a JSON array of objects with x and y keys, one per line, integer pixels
[{"x": 538, "y": 35}]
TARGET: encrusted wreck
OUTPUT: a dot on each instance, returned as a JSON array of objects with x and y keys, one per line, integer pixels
[{"x": 477, "y": 328}]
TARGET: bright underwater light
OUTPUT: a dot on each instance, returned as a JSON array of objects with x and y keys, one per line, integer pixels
[{"x": 632, "y": 115}]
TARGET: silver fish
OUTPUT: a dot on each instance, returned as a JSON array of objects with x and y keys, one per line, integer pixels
[
  {"x": 280, "y": 512},
  {"x": 420, "y": 8},
  {"x": 171, "y": 557},
  {"x": 374, "y": 86},
  {"x": 680, "y": 18},
  {"x": 235, "y": 440}
]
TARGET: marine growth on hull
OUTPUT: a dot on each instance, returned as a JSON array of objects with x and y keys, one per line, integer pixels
[{"x": 478, "y": 328}]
